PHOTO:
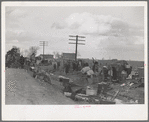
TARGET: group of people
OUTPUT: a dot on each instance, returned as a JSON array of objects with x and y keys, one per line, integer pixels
[
  {"x": 114, "y": 72},
  {"x": 73, "y": 65},
  {"x": 56, "y": 65}
]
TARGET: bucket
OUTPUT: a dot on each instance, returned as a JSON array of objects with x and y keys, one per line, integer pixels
[
  {"x": 91, "y": 91},
  {"x": 101, "y": 87},
  {"x": 65, "y": 81}
]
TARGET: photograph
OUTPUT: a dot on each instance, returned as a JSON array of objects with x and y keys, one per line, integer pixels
[{"x": 79, "y": 54}]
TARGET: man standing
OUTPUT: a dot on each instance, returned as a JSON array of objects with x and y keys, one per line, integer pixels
[
  {"x": 73, "y": 65},
  {"x": 67, "y": 66},
  {"x": 58, "y": 65},
  {"x": 105, "y": 73}
]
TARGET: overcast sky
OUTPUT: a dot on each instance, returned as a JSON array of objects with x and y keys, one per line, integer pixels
[{"x": 111, "y": 32}]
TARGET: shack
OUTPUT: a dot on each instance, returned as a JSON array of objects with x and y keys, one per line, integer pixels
[
  {"x": 48, "y": 57},
  {"x": 68, "y": 56}
]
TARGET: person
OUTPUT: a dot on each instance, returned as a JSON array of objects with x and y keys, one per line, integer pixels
[
  {"x": 100, "y": 69},
  {"x": 73, "y": 65},
  {"x": 28, "y": 64},
  {"x": 114, "y": 78},
  {"x": 35, "y": 71},
  {"x": 67, "y": 66},
  {"x": 90, "y": 74},
  {"x": 128, "y": 70},
  {"x": 105, "y": 73},
  {"x": 95, "y": 66},
  {"x": 118, "y": 71},
  {"x": 77, "y": 65},
  {"x": 54, "y": 66},
  {"x": 58, "y": 65}
]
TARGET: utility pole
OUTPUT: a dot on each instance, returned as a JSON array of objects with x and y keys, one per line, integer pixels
[
  {"x": 43, "y": 43},
  {"x": 76, "y": 43}
]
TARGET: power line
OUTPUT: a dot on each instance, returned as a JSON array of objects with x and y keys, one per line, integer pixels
[{"x": 76, "y": 42}]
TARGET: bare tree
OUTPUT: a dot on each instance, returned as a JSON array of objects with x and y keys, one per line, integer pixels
[
  {"x": 22, "y": 53},
  {"x": 57, "y": 55},
  {"x": 25, "y": 53},
  {"x": 54, "y": 53},
  {"x": 32, "y": 50}
]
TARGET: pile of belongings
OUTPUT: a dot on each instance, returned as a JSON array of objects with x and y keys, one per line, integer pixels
[
  {"x": 41, "y": 75},
  {"x": 87, "y": 70},
  {"x": 133, "y": 75},
  {"x": 87, "y": 94},
  {"x": 120, "y": 70},
  {"x": 135, "y": 83}
]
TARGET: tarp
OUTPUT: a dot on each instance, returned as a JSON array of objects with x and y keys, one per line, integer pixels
[
  {"x": 85, "y": 69},
  {"x": 90, "y": 72}
]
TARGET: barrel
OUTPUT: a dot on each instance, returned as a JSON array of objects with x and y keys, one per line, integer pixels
[
  {"x": 101, "y": 87},
  {"x": 65, "y": 82}
]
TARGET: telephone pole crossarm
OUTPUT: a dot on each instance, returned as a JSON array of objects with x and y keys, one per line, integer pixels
[
  {"x": 81, "y": 36},
  {"x": 76, "y": 43}
]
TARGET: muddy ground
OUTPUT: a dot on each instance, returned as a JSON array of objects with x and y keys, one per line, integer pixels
[
  {"x": 126, "y": 93},
  {"x": 21, "y": 89}
]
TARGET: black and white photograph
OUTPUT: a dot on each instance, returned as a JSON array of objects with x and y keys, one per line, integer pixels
[{"x": 74, "y": 55}]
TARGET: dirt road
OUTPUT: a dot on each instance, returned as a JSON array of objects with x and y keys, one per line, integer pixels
[{"x": 21, "y": 88}]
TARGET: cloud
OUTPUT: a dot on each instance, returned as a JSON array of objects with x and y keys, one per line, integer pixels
[
  {"x": 86, "y": 23},
  {"x": 16, "y": 12},
  {"x": 57, "y": 26},
  {"x": 17, "y": 26},
  {"x": 111, "y": 33},
  {"x": 103, "y": 33},
  {"x": 21, "y": 36}
]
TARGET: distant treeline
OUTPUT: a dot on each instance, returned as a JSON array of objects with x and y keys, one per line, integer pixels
[{"x": 134, "y": 64}]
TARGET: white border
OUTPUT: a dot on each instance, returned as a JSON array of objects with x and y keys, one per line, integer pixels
[{"x": 69, "y": 112}]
